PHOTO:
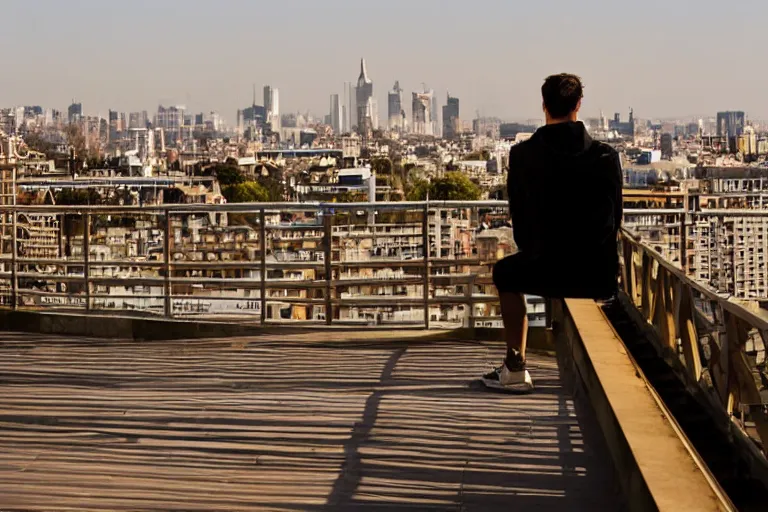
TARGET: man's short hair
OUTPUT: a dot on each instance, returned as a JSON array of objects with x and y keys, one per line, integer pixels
[{"x": 561, "y": 94}]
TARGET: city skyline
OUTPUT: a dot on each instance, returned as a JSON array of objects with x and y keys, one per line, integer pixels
[{"x": 494, "y": 65}]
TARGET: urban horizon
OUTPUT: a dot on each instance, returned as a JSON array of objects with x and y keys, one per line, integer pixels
[{"x": 380, "y": 94}]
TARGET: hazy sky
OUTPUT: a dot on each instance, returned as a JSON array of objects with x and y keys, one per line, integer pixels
[{"x": 662, "y": 57}]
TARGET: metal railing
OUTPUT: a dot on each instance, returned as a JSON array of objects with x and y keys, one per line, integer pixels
[
  {"x": 717, "y": 344},
  {"x": 405, "y": 263}
]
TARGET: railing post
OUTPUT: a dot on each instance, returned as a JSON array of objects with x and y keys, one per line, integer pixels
[
  {"x": 683, "y": 243},
  {"x": 167, "y": 266},
  {"x": 14, "y": 264},
  {"x": 263, "y": 268},
  {"x": 468, "y": 292},
  {"x": 548, "y": 313},
  {"x": 327, "y": 235},
  {"x": 425, "y": 242},
  {"x": 87, "y": 258}
]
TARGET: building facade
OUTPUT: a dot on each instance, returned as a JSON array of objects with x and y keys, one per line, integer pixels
[
  {"x": 335, "y": 114},
  {"x": 451, "y": 121},
  {"x": 75, "y": 112},
  {"x": 364, "y": 104},
  {"x": 272, "y": 108},
  {"x": 170, "y": 119},
  {"x": 395, "y": 108},
  {"x": 730, "y": 124},
  {"x": 422, "y": 113}
]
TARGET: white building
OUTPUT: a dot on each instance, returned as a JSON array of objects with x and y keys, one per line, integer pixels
[
  {"x": 336, "y": 117},
  {"x": 272, "y": 107}
]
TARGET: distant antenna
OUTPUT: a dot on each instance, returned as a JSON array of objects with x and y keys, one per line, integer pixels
[{"x": 254, "y": 95}]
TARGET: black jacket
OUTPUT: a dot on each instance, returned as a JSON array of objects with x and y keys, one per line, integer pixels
[{"x": 565, "y": 198}]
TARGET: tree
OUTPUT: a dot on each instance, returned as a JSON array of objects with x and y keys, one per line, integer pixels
[
  {"x": 453, "y": 186},
  {"x": 228, "y": 174},
  {"x": 417, "y": 191},
  {"x": 36, "y": 142},
  {"x": 76, "y": 139},
  {"x": 382, "y": 166},
  {"x": 247, "y": 192}
]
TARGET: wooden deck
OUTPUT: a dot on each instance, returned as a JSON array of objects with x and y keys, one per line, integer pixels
[{"x": 327, "y": 421}]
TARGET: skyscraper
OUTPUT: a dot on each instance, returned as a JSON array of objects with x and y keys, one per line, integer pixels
[
  {"x": 171, "y": 119},
  {"x": 336, "y": 118},
  {"x": 395, "y": 108},
  {"x": 138, "y": 119},
  {"x": 363, "y": 95},
  {"x": 435, "y": 118},
  {"x": 75, "y": 112},
  {"x": 451, "y": 120},
  {"x": 730, "y": 124},
  {"x": 349, "y": 90},
  {"x": 272, "y": 107},
  {"x": 422, "y": 115}
]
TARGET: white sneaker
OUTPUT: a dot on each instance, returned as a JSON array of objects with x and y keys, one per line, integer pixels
[{"x": 515, "y": 381}]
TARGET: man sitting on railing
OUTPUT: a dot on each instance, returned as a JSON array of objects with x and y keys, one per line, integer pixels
[{"x": 566, "y": 207}]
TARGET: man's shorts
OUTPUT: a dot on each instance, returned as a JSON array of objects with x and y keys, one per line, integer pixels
[{"x": 519, "y": 274}]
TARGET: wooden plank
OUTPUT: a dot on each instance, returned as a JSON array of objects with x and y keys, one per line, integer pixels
[{"x": 322, "y": 420}]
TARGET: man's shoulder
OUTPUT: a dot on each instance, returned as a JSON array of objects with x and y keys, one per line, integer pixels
[
  {"x": 521, "y": 148},
  {"x": 603, "y": 149}
]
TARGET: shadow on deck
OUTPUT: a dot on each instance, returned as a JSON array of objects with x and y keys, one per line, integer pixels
[{"x": 323, "y": 421}]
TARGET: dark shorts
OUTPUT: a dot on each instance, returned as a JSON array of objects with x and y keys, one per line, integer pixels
[{"x": 520, "y": 274}]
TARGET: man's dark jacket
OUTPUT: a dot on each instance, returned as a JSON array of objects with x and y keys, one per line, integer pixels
[{"x": 566, "y": 205}]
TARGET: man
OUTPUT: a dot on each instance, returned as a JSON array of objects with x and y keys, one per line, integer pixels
[{"x": 566, "y": 207}]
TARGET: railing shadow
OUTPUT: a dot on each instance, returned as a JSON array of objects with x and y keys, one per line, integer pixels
[{"x": 240, "y": 424}]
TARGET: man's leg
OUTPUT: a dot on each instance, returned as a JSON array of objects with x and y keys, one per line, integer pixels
[
  {"x": 511, "y": 276},
  {"x": 515, "y": 315}
]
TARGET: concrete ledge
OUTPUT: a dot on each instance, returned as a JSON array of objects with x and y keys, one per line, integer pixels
[{"x": 656, "y": 468}]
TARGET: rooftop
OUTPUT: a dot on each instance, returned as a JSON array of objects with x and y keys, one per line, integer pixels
[{"x": 290, "y": 422}]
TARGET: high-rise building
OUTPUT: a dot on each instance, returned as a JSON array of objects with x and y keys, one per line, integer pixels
[
  {"x": 349, "y": 102},
  {"x": 451, "y": 121},
  {"x": 730, "y": 124},
  {"x": 435, "y": 119},
  {"x": 336, "y": 117},
  {"x": 75, "y": 112},
  {"x": 363, "y": 95},
  {"x": 374, "y": 110},
  {"x": 138, "y": 119},
  {"x": 422, "y": 115},
  {"x": 170, "y": 119},
  {"x": 666, "y": 146},
  {"x": 395, "y": 108},
  {"x": 272, "y": 107}
]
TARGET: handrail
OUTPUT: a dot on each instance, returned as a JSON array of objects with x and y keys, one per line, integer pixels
[
  {"x": 710, "y": 338},
  {"x": 246, "y": 256},
  {"x": 251, "y": 207}
]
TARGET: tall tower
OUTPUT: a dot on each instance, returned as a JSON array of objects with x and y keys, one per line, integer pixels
[
  {"x": 271, "y": 107},
  {"x": 422, "y": 113},
  {"x": 336, "y": 118},
  {"x": 435, "y": 116},
  {"x": 364, "y": 94},
  {"x": 451, "y": 122},
  {"x": 395, "y": 108}
]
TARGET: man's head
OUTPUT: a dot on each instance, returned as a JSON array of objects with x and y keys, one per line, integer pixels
[{"x": 562, "y": 97}]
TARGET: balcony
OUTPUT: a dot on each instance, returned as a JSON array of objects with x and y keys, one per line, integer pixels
[{"x": 281, "y": 399}]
